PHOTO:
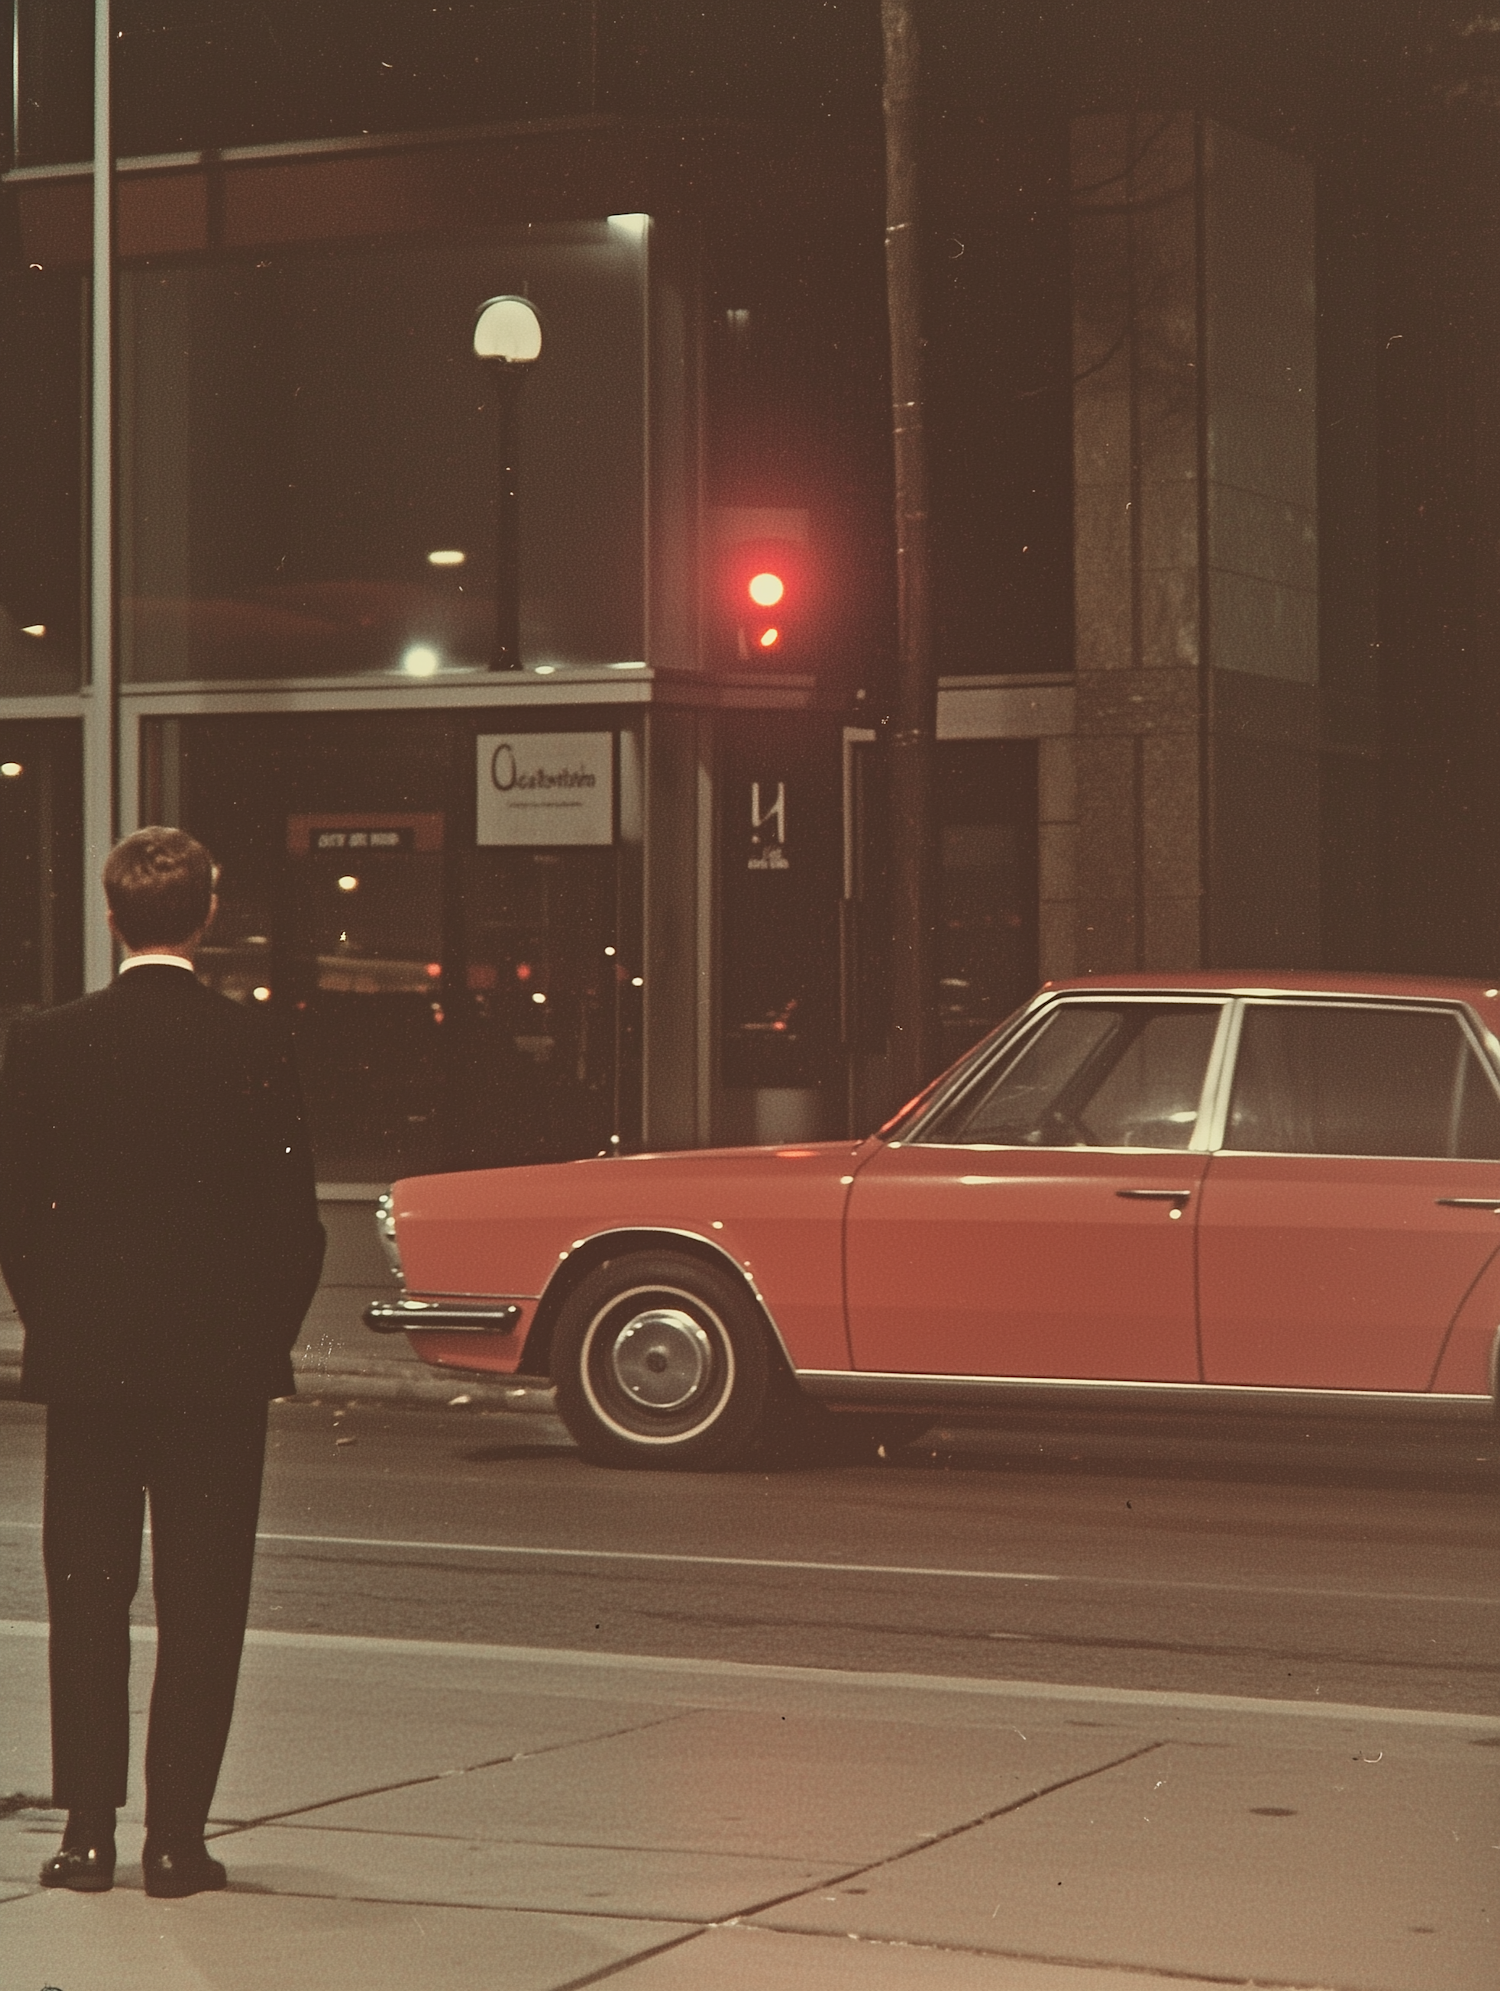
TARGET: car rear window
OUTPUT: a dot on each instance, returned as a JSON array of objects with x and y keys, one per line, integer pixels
[
  {"x": 1107, "y": 1075},
  {"x": 1351, "y": 1080}
]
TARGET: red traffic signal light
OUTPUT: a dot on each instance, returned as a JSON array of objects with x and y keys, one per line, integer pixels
[{"x": 763, "y": 591}]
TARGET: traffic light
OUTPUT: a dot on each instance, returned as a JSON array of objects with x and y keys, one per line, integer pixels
[{"x": 763, "y": 584}]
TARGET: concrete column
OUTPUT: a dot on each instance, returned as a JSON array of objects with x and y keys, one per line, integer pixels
[{"x": 1195, "y": 553}]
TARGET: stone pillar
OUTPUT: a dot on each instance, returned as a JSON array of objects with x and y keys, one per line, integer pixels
[{"x": 1194, "y": 834}]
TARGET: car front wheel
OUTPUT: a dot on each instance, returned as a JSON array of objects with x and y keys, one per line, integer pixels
[{"x": 662, "y": 1360}]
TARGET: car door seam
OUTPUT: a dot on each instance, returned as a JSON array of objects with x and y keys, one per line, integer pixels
[{"x": 1467, "y": 1295}]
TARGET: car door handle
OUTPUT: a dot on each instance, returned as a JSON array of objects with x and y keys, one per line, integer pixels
[
  {"x": 1470, "y": 1202},
  {"x": 1176, "y": 1196}
]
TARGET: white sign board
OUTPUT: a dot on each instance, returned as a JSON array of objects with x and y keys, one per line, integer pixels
[{"x": 539, "y": 788}]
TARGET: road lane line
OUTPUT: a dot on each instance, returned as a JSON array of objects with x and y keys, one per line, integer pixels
[
  {"x": 869, "y": 1569},
  {"x": 554, "y": 1658},
  {"x": 865, "y": 1569},
  {"x": 884, "y": 1569},
  {"x": 664, "y": 1555}
]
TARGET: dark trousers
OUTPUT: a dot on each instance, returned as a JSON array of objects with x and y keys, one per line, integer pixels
[{"x": 201, "y": 1467}]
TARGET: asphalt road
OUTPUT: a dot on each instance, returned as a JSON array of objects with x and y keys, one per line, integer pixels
[{"x": 1353, "y": 1565}]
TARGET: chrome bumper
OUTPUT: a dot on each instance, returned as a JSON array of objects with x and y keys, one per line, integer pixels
[{"x": 446, "y": 1316}]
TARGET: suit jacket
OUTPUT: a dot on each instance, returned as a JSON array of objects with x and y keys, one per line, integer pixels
[{"x": 158, "y": 1220}]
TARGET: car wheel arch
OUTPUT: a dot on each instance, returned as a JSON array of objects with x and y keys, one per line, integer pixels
[{"x": 604, "y": 1246}]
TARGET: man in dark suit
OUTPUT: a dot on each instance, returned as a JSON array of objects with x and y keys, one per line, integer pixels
[{"x": 160, "y": 1235}]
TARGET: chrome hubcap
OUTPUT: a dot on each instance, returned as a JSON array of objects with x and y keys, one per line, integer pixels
[{"x": 661, "y": 1358}]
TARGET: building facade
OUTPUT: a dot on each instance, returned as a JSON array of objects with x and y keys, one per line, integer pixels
[{"x": 1210, "y": 380}]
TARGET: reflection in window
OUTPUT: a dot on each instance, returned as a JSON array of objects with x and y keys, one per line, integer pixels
[
  {"x": 308, "y": 461},
  {"x": 1126, "y": 1075},
  {"x": 1345, "y": 1080},
  {"x": 41, "y": 457}
]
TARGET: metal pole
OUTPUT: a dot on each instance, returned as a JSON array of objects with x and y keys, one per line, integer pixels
[
  {"x": 507, "y": 655},
  {"x": 101, "y": 710},
  {"x": 15, "y": 83},
  {"x": 914, "y": 717}
]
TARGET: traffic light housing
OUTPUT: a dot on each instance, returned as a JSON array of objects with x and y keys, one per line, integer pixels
[{"x": 763, "y": 589}]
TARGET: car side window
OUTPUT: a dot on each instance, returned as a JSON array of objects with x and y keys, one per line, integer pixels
[
  {"x": 1342, "y": 1079},
  {"x": 1096, "y": 1074}
]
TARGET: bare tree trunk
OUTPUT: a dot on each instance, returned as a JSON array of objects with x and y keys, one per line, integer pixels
[{"x": 913, "y": 872}]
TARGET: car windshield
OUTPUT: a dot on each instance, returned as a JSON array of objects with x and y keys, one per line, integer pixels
[{"x": 907, "y": 1116}]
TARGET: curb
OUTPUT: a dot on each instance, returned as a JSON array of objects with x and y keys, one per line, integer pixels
[
  {"x": 427, "y": 1385},
  {"x": 389, "y": 1385}
]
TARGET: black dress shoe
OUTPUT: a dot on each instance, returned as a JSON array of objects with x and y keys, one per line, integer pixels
[
  {"x": 87, "y": 1869},
  {"x": 172, "y": 1870}
]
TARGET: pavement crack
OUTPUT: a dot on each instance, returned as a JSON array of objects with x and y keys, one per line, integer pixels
[
  {"x": 444, "y": 1776},
  {"x": 957, "y": 1831},
  {"x": 554, "y": 1845},
  {"x": 1155, "y": 1972},
  {"x": 629, "y": 1962},
  {"x": 643, "y": 1918}
]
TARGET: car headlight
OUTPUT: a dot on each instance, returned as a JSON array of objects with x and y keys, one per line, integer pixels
[{"x": 385, "y": 1230}]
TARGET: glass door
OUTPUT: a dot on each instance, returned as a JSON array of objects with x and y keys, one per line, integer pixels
[
  {"x": 549, "y": 1008},
  {"x": 359, "y": 958}
]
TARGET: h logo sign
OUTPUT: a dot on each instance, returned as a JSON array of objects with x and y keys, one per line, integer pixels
[{"x": 768, "y": 847}]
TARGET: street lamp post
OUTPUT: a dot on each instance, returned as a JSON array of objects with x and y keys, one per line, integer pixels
[{"x": 508, "y": 335}]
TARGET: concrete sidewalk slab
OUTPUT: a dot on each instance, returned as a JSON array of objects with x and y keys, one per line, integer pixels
[
  {"x": 837, "y": 1794},
  {"x": 530, "y": 1872},
  {"x": 1303, "y": 1865},
  {"x": 747, "y": 1958},
  {"x": 246, "y": 1942},
  {"x": 724, "y": 1825},
  {"x": 452, "y": 1724}
]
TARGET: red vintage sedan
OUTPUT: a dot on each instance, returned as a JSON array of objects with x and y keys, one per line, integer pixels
[{"x": 1198, "y": 1190}]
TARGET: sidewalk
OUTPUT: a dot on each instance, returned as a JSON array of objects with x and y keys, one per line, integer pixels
[
  {"x": 402, "y": 1815},
  {"x": 337, "y": 1354}
]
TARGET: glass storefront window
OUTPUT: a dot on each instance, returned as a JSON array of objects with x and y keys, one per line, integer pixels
[
  {"x": 453, "y": 1006},
  {"x": 42, "y": 385},
  {"x": 309, "y": 460},
  {"x": 41, "y": 865}
]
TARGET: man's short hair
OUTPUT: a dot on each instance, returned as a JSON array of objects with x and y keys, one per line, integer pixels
[{"x": 160, "y": 887}]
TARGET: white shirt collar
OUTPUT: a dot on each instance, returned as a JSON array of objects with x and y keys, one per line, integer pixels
[{"x": 154, "y": 961}]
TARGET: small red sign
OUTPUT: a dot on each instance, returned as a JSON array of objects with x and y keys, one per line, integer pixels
[{"x": 371, "y": 831}]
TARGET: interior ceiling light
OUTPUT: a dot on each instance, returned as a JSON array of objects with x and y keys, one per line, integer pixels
[
  {"x": 10, "y": 769},
  {"x": 447, "y": 556},
  {"x": 34, "y": 629}
]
